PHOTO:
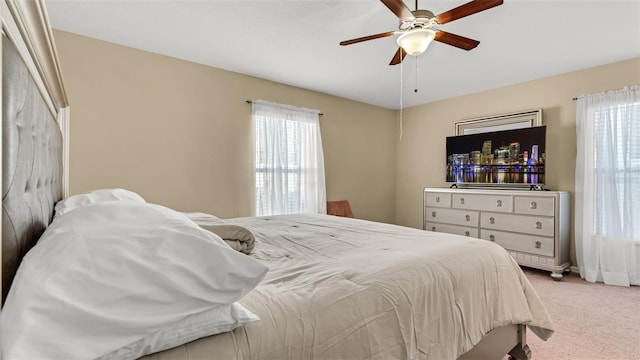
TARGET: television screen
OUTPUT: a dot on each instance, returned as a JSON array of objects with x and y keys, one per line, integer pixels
[{"x": 514, "y": 156}]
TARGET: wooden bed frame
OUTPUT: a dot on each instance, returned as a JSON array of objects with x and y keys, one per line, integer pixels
[{"x": 34, "y": 171}]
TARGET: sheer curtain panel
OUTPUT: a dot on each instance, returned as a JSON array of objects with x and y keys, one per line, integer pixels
[
  {"x": 608, "y": 187},
  {"x": 289, "y": 162}
]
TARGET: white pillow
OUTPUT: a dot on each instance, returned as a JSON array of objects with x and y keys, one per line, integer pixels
[
  {"x": 93, "y": 197},
  {"x": 220, "y": 319},
  {"x": 114, "y": 273}
]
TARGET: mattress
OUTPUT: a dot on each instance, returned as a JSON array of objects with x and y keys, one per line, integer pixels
[{"x": 340, "y": 288}]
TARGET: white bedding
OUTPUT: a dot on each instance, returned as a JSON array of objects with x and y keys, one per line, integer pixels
[
  {"x": 120, "y": 279},
  {"x": 341, "y": 288}
]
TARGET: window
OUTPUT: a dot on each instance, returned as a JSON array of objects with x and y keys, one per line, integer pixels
[
  {"x": 289, "y": 163},
  {"x": 617, "y": 164},
  {"x": 607, "y": 182}
]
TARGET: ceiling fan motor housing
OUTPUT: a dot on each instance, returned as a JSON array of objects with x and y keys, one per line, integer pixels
[{"x": 424, "y": 19}]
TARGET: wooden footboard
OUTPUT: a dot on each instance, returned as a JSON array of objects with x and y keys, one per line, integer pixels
[{"x": 506, "y": 340}]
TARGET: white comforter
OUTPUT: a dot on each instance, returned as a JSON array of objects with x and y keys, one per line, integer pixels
[{"x": 341, "y": 288}]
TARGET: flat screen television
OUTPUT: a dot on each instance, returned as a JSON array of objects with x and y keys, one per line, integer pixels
[{"x": 515, "y": 156}]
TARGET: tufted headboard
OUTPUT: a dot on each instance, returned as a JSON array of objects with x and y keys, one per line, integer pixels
[{"x": 32, "y": 166}]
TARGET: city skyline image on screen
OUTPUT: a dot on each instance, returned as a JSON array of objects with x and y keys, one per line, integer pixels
[{"x": 514, "y": 156}]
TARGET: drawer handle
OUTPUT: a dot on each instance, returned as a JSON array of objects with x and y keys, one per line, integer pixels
[
  {"x": 433, "y": 214},
  {"x": 492, "y": 237},
  {"x": 492, "y": 220},
  {"x": 433, "y": 228},
  {"x": 499, "y": 203},
  {"x": 538, "y": 244},
  {"x": 461, "y": 200},
  {"x": 437, "y": 198},
  {"x": 533, "y": 205},
  {"x": 467, "y": 218},
  {"x": 467, "y": 233},
  {"x": 538, "y": 225}
]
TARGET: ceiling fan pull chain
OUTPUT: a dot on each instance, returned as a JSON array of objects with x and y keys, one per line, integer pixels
[
  {"x": 416, "y": 88},
  {"x": 401, "y": 84}
]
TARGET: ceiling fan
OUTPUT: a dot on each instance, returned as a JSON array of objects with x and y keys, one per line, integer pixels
[{"x": 419, "y": 27}]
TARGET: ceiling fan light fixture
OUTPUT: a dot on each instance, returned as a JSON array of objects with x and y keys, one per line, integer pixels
[{"x": 415, "y": 42}]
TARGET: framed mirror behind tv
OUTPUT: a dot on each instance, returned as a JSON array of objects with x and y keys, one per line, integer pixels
[{"x": 516, "y": 120}]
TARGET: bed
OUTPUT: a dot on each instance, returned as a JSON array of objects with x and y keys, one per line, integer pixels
[
  {"x": 348, "y": 288},
  {"x": 336, "y": 288}
]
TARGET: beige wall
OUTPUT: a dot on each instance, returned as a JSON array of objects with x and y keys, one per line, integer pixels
[
  {"x": 178, "y": 132},
  {"x": 421, "y": 152}
]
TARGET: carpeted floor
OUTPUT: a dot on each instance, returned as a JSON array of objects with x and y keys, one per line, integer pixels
[{"x": 593, "y": 321}]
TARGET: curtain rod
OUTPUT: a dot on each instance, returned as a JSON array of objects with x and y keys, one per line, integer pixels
[
  {"x": 251, "y": 102},
  {"x": 602, "y": 92}
]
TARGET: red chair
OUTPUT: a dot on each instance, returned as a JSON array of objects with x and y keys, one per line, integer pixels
[{"x": 339, "y": 208}]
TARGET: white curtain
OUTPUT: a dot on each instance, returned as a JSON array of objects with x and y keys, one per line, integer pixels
[
  {"x": 289, "y": 162},
  {"x": 607, "y": 190}
]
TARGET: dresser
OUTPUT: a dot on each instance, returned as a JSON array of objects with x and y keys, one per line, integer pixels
[{"x": 533, "y": 226}]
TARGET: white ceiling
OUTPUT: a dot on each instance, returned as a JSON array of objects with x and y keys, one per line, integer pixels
[{"x": 296, "y": 42}]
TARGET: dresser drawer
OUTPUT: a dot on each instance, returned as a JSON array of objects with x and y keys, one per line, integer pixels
[
  {"x": 538, "y": 245},
  {"x": 533, "y": 205},
  {"x": 502, "y": 203},
  {"x": 452, "y": 229},
  {"x": 452, "y": 216},
  {"x": 437, "y": 199},
  {"x": 532, "y": 225}
]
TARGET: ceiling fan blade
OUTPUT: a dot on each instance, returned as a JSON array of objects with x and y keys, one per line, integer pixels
[
  {"x": 400, "y": 9},
  {"x": 398, "y": 57},
  {"x": 467, "y": 9},
  {"x": 365, "y": 38},
  {"x": 456, "y": 40}
]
